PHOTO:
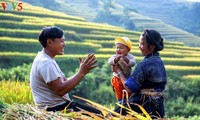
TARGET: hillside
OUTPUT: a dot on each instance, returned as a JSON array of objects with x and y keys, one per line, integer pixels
[
  {"x": 182, "y": 14},
  {"x": 165, "y": 16},
  {"x": 19, "y": 46},
  {"x": 128, "y": 14},
  {"x": 22, "y": 28},
  {"x": 19, "y": 31}
]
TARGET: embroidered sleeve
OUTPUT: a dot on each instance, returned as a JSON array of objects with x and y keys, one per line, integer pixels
[{"x": 135, "y": 81}]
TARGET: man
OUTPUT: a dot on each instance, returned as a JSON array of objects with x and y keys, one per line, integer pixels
[{"x": 48, "y": 83}]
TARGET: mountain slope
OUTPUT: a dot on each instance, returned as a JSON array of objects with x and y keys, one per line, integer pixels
[
  {"x": 169, "y": 32},
  {"x": 95, "y": 11},
  {"x": 179, "y": 13},
  {"x": 19, "y": 31}
]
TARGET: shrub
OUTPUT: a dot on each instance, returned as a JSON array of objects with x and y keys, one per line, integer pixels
[{"x": 19, "y": 73}]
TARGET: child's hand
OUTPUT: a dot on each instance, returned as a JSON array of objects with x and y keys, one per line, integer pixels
[
  {"x": 125, "y": 59},
  {"x": 117, "y": 58}
]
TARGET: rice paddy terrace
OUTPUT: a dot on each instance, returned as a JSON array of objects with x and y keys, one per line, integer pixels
[
  {"x": 19, "y": 32},
  {"x": 82, "y": 8},
  {"x": 169, "y": 32},
  {"x": 79, "y": 8}
]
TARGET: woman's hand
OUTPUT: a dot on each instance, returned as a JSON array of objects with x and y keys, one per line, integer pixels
[
  {"x": 124, "y": 58},
  {"x": 115, "y": 68},
  {"x": 124, "y": 67}
]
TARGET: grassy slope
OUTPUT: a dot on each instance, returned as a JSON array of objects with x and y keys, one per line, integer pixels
[
  {"x": 78, "y": 8},
  {"x": 19, "y": 32},
  {"x": 169, "y": 32},
  {"x": 141, "y": 22},
  {"x": 179, "y": 13}
]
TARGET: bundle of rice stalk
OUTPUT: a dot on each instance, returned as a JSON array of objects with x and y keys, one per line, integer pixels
[
  {"x": 29, "y": 112},
  {"x": 106, "y": 111}
]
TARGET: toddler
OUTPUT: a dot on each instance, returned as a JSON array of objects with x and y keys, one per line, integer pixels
[{"x": 125, "y": 60}]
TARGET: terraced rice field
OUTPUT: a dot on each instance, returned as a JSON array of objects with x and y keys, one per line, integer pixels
[{"x": 19, "y": 31}]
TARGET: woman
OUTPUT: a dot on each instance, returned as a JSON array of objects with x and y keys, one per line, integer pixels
[{"x": 149, "y": 78}]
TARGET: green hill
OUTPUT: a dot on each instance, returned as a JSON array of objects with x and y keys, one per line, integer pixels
[
  {"x": 128, "y": 14},
  {"x": 125, "y": 14},
  {"x": 182, "y": 14},
  {"x": 19, "y": 45},
  {"x": 19, "y": 31}
]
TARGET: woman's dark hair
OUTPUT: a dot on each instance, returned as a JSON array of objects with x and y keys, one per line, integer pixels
[
  {"x": 154, "y": 38},
  {"x": 50, "y": 33}
]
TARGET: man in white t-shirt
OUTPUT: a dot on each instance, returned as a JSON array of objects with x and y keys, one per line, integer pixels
[{"x": 48, "y": 83}]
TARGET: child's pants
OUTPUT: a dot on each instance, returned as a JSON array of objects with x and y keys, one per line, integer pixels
[{"x": 118, "y": 88}]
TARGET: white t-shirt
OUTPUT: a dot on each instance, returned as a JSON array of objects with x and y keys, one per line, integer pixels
[{"x": 44, "y": 70}]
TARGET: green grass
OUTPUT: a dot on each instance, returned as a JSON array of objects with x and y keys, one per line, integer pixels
[{"x": 15, "y": 92}]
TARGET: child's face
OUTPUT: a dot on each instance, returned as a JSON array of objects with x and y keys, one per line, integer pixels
[{"x": 121, "y": 49}]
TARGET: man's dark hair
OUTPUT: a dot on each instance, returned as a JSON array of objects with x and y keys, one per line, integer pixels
[{"x": 50, "y": 33}]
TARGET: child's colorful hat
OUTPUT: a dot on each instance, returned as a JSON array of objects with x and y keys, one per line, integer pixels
[{"x": 125, "y": 41}]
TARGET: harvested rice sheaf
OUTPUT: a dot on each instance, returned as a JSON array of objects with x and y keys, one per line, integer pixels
[{"x": 30, "y": 112}]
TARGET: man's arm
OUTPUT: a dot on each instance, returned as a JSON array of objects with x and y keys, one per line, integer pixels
[{"x": 61, "y": 88}]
